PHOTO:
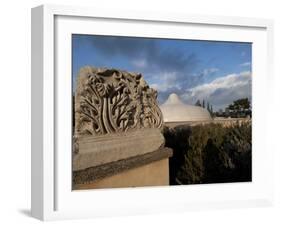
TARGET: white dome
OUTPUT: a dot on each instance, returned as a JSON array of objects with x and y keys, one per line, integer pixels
[{"x": 174, "y": 110}]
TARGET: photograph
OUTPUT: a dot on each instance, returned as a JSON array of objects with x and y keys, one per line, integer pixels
[{"x": 152, "y": 111}]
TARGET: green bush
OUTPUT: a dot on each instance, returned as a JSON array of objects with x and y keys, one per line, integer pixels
[{"x": 210, "y": 153}]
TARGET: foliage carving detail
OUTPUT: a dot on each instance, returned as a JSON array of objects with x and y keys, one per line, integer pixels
[{"x": 109, "y": 101}]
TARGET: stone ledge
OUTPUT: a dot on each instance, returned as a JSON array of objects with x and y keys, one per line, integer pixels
[
  {"x": 96, "y": 173},
  {"x": 99, "y": 150}
]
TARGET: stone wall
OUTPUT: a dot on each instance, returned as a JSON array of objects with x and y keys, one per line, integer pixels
[{"x": 226, "y": 122}]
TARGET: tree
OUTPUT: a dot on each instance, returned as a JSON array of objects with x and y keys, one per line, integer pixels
[
  {"x": 240, "y": 107},
  {"x": 208, "y": 107},
  {"x": 242, "y": 103},
  {"x": 198, "y": 103},
  {"x": 231, "y": 107}
]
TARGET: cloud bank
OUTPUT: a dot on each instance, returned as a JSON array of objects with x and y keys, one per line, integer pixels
[{"x": 222, "y": 91}]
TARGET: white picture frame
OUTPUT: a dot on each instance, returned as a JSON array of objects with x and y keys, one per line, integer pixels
[{"x": 52, "y": 197}]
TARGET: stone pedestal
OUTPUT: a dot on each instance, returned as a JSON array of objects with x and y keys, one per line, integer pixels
[
  {"x": 117, "y": 138},
  {"x": 145, "y": 170}
]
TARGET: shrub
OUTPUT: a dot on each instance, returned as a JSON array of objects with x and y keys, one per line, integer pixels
[{"x": 210, "y": 153}]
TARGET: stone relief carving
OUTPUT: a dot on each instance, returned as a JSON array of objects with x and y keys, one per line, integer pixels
[{"x": 109, "y": 101}]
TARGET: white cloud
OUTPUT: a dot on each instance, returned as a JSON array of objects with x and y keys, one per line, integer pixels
[
  {"x": 221, "y": 91},
  {"x": 140, "y": 63},
  {"x": 166, "y": 80},
  {"x": 173, "y": 80},
  {"x": 246, "y": 64},
  {"x": 210, "y": 70}
]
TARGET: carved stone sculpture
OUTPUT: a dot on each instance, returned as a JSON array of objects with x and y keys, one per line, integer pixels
[
  {"x": 109, "y": 101},
  {"x": 116, "y": 117}
]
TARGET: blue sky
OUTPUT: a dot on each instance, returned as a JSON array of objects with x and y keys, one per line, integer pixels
[{"x": 218, "y": 72}]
